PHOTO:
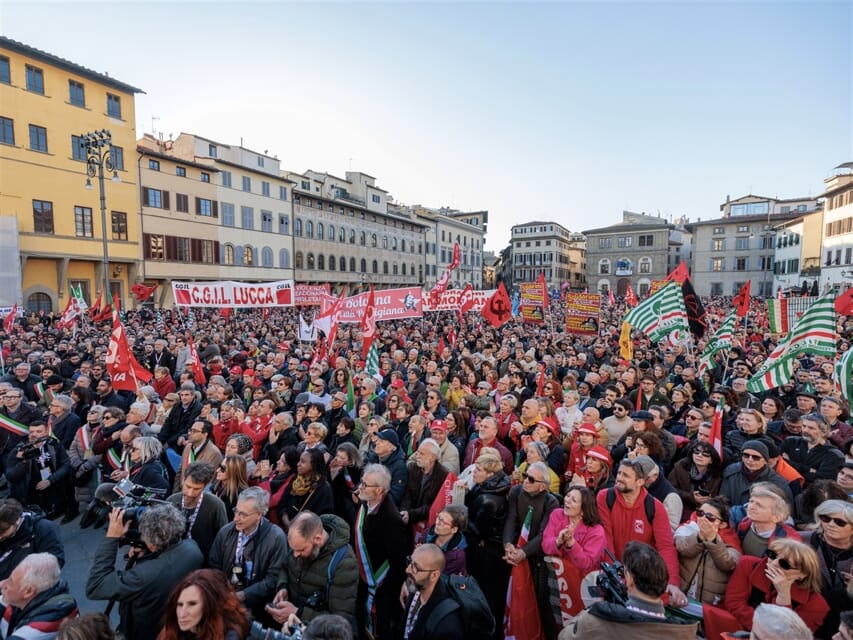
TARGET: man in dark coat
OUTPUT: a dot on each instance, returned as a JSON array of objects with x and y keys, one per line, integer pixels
[
  {"x": 35, "y": 601},
  {"x": 25, "y": 380},
  {"x": 23, "y": 533},
  {"x": 174, "y": 431},
  {"x": 205, "y": 513},
  {"x": 380, "y": 547},
  {"x": 18, "y": 414},
  {"x": 811, "y": 454},
  {"x": 426, "y": 477},
  {"x": 387, "y": 449},
  {"x": 41, "y": 479},
  {"x": 431, "y": 612},
  {"x": 143, "y": 589}
]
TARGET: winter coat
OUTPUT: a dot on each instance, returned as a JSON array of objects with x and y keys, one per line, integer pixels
[
  {"x": 454, "y": 552},
  {"x": 608, "y": 621},
  {"x": 487, "y": 509},
  {"x": 36, "y": 534},
  {"x": 45, "y": 611},
  {"x": 833, "y": 568},
  {"x": 65, "y": 428},
  {"x": 396, "y": 464},
  {"x": 585, "y": 553},
  {"x": 178, "y": 423},
  {"x": 684, "y": 485},
  {"x": 143, "y": 590},
  {"x": 710, "y": 563},
  {"x": 736, "y": 486},
  {"x": 80, "y": 464},
  {"x": 420, "y": 495},
  {"x": 303, "y": 578},
  {"x": 518, "y": 504},
  {"x": 210, "y": 519},
  {"x": 820, "y": 462}
]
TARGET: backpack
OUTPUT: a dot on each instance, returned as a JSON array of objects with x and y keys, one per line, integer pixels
[
  {"x": 465, "y": 595},
  {"x": 339, "y": 554},
  {"x": 648, "y": 503}
]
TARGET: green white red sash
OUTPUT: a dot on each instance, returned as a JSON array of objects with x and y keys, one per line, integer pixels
[
  {"x": 373, "y": 579},
  {"x": 113, "y": 459},
  {"x": 13, "y": 426},
  {"x": 86, "y": 443}
]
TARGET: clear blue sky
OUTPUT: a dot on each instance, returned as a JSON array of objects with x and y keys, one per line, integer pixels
[{"x": 566, "y": 111}]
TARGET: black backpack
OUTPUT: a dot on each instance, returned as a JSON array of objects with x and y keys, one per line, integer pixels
[
  {"x": 648, "y": 503},
  {"x": 465, "y": 595}
]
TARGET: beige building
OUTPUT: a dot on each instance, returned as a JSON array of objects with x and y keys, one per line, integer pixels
[
  {"x": 445, "y": 227},
  {"x": 836, "y": 264},
  {"x": 548, "y": 248},
  {"x": 634, "y": 251}
]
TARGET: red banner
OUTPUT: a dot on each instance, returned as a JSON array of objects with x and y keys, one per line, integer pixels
[
  {"x": 582, "y": 313},
  {"x": 532, "y": 302},
  {"x": 310, "y": 295},
  {"x": 233, "y": 294},
  {"x": 391, "y": 304},
  {"x": 568, "y": 584},
  {"x": 451, "y": 300}
]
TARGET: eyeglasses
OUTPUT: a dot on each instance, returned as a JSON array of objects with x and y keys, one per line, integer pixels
[
  {"x": 366, "y": 485},
  {"x": 692, "y": 417},
  {"x": 447, "y": 522},
  {"x": 702, "y": 452},
  {"x": 839, "y": 522},
  {"x": 411, "y": 563},
  {"x": 710, "y": 517},
  {"x": 530, "y": 478},
  {"x": 783, "y": 562},
  {"x": 751, "y": 456}
]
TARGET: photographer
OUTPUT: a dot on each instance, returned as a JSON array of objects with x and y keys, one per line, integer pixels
[
  {"x": 321, "y": 574},
  {"x": 143, "y": 587},
  {"x": 38, "y": 469},
  {"x": 23, "y": 533},
  {"x": 643, "y": 617}
]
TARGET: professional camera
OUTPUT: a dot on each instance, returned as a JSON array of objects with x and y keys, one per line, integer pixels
[
  {"x": 257, "y": 632},
  {"x": 610, "y": 581},
  {"x": 135, "y": 499},
  {"x": 31, "y": 450}
]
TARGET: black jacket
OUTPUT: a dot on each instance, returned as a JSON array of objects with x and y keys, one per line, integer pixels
[
  {"x": 420, "y": 495},
  {"x": 487, "y": 509},
  {"x": 396, "y": 464},
  {"x": 66, "y": 428},
  {"x": 36, "y": 534},
  {"x": 178, "y": 423},
  {"x": 143, "y": 589},
  {"x": 24, "y": 474},
  {"x": 449, "y": 627},
  {"x": 820, "y": 462}
]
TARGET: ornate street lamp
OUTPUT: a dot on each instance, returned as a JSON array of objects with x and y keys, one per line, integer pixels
[{"x": 98, "y": 146}]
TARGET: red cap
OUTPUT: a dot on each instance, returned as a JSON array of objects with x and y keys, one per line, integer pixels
[
  {"x": 236, "y": 371},
  {"x": 397, "y": 384},
  {"x": 438, "y": 425},
  {"x": 589, "y": 428},
  {"x": 551, "y": 424},
  {"x": 600, "y": 453},
  {"x": 249, "y": 372}
]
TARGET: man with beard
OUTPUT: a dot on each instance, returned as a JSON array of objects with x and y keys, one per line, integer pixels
[
  {"x": 205, "y": 512},
  {"x": 425, "y": 616},
  {"x": 426, "y": 478},
  {"x": 321, "y": 574},
  {"x": 810, "y": 454}
]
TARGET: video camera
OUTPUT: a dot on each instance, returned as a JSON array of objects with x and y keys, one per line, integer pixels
[
  {"x": 31, "y": 450},
  {"x": 610, "y": 582},
  {"x": 135, "y": 499},
  {"x": 257, "y": 632}
]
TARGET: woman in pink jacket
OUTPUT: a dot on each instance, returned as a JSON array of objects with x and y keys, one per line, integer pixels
[{"x": 574, "y": 533}]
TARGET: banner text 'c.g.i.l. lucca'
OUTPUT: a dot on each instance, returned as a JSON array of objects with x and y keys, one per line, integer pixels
[{"x": 230, "y": 294}]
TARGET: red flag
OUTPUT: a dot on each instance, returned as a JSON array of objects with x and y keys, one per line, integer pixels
[
  {"x": 368, "y": 323},
  {"x": 443, "y": 498},
  {"x": 540, "y": 381},
  {"x": 198, "y": 369},
  {"x": 454, "y": 263},
  {"x": 741, "y": 300},
  {"x": 679, "y": 274},
  {"x": 95, "y": 309},
  {"x": 225, "y": 313},
  {"x": 9, "y": 321},
  {"x": 439, "y": 287},
  {"x": 124, "y": 370},
  {"x": 844, "y": 303},
  {"x": 106, "y": 312},
  {"x": 716, "y": 437},
  {"x": 498, "y": 309},
  {"x": 441, "y": 346},
  {"x": 522, "y": 620},
  {"x": 466, "y": 300},
  {"x": 142, "y": 292},
  {"x": 611, "y": 298},
  {"x": 451, "y": 337},
  {"x": 69, "y": 315},
  {"x": 631, "y": 297}
]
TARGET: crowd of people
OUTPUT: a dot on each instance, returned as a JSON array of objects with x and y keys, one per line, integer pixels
[{"x": 287, "y": 489}]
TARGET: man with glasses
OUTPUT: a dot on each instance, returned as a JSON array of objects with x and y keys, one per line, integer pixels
[
  {"x": 431, "y": 611},
  {"x": 39, "y": 479},
  {"x": 251, "y": 551},
  {"x": 321, "y": 573},
  {"x": 753, "y": 467},
  {"x": 24, "y": 380},
  {"x": 648, "y": 393},
  {"x": 200, "y": 448},
  {"x": 177, "y": 424},
  {"x": 629, "y": 513},
  {"x": 379, "y": 540},
  {"x": 811, "y": 454},
  {"x": 619, "y": 420}
]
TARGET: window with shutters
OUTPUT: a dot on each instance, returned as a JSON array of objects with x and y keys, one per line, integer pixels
[
  {"x": 282, "y": 193},
  {"x": 228, "y": 214},
  {"x": 113, "y": 106},
  {"x": 83, "y": 222},
  {"x": 226, "y": 178},
  {"x": 118, "y": 158},
  {"x": 266, "y": 221},
  {"x": 155, "y": 198},
  {"x": 182, "y": 249},
  {"x": 352, "y": 264},
  {"x": 154, "y": 246},
  {"x": 297, "y": 227},
  {"x": 266, "y": 257},
  {"x": 119, "y": 225},
  {"x": 247, "y": 217},
  {"x": 342, "y": 264},
  {"x": 204, "y": 207},
  {"x": 208, "y": 251},
  {"x": 42, "y": 216},
  {"x": 228, "y": 254},
  {"x": 38, "y": 138},
  {"x": 35, "y": 79},
  {"x": 265, "y": 188},
  {"x": 247, "y": 183},
  {"x": 333, "y": 263},
  {"x": 78, "y": 150},
  {"x": 284, "y": 258},
  {"x": 182, "y": 203},
  {"x": 283, "y": 223}
]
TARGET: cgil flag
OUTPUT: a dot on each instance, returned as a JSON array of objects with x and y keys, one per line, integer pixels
[
  {"x": 661, "y": 313},
  {"x": 813, "y": 334},
  {"x": 720, "y": 341},
  {"x": 124, "y": 370},
  {"x": 844, "y": 374},
  {"x": 371, "y": 364}
]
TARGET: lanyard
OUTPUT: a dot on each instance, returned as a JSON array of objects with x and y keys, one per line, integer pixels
[{"x": 193, "y": 515}]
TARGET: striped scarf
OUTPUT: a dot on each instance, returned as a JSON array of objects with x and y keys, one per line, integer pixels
[{"x": 373, "y": 579}]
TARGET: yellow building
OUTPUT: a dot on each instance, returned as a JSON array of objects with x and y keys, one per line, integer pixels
[{"x": 46, "y": 104}]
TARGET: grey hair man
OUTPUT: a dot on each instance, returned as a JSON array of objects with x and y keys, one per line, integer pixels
[
  {"x": 425, "y": 479},
  {"x": 810, "y": 453},
  {"x": 38, "y": 599},
  {"x": 773, "y": 621}
]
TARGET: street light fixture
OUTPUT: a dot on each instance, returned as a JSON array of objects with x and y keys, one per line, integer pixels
[{"x": 98, "y": 146}]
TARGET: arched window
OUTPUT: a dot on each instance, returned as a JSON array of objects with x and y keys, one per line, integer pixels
[
  {"x": 384, "y": 242},
  {"x": 352, "y": 264},
  {"x": 645, "y": 265},
  {"x": 404, "y": 268},
  {"x": 321, "y": 262},
  {"x": 342, "y": 262},
  {"x": 412, "y": 269},
  {"x": 403, "y": 245},
  {"x": 352, "y": 236},
  {"x": 363, "y": 238},
  {"x": 297, "y": 227},
  {"x": 39, "y": 302},
  {"x": 394, "y": 244},
  {"x": 375, "y": 266},
  {"x": 249, "y": 256},
  {"x": 385, "y": 267},
  {"x": 266, "y": 257},
  {"x": 299, "y": 262},
  {"x": 331, "y": 235},
  {"x": 395, "y": 269},
  {"x": 309, "y": 229},
  {"x": 310, "y": 261},
  {"x": 284, "y": 259},
  {"x": 332, "y": 263},
  {"x": 363, "y": 265},
  {"x": 228, "y": 254},
  {"x": 321, "y": 231},
  {"x": 342, "y": 236},
  {"x": 373, "y": 240}
]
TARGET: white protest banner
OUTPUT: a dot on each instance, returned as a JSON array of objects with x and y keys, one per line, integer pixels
[{"x": 233, "y": 294}]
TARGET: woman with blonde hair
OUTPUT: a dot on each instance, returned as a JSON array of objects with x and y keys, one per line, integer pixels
[
  {"x": 788, "y": 576},
  {"x": 231, "y": 478}
]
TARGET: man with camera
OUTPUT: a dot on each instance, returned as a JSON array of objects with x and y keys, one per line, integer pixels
[
  {"x": 251, "y": 551},
  {"x": 161, "y": 560},
  {"x": 642, "y": 615},
  {"x": 321, "y": 574},
  {"x": 38, "y": 469}
]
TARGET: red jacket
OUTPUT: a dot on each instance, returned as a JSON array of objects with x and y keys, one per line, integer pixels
[
  {"x": 748, "y": 587},
  {"x": 624, "y": 524}
]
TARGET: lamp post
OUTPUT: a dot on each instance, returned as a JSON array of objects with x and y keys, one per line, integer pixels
[{"x": 98, "y": 146}]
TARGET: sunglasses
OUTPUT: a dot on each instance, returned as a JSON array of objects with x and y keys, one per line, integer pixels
[
  {"x": 783, "y": 562},
  {"x": 702, "y": 452},
  {"x": 839, "y": 522},
  {"x": 751, "y": 456},
  {"x": 530, "y": 478},
  {"x": 710, "y": 517}
]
